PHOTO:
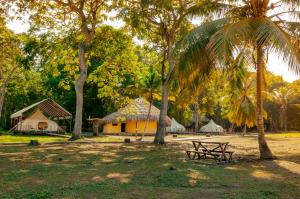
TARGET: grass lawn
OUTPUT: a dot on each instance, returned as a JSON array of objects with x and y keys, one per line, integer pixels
[
  {"x": 284, "y": 135},
  {"x": 43, "y": 139},
  {"x": 143, "y": 171},
  {"x": 27, "y": 138}
]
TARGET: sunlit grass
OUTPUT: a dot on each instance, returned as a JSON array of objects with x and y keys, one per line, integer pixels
[
  {"x": 43, "y": 139},
  {"x": 284, "y": 135},
  {"x": 137, "y": 171},
  {"x": 27, "y": 138},
  {"x": 106, "y": 139}
]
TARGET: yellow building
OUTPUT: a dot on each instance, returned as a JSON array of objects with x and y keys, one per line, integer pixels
[{"x": 132, "y": 119}]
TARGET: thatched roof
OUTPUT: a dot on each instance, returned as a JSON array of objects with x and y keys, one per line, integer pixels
[
  {"x": 136, "y": 110},
  {"x": 48, "y": 106}
]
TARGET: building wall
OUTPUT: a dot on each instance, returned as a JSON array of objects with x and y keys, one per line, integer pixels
[
  {"x": 132, "y": 127},
  {"x": 110, "y": 128},
  {"x": 139, "y": 127}
]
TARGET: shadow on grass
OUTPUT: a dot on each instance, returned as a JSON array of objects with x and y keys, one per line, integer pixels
[{"x": 138, "y": 170}]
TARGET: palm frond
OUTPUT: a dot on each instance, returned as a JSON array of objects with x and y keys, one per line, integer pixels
[
  {"x": 191, "y": 50},
  {"x": 230, "y": 40},
  {"x": 270, "y": 34},
  {"x": 236, "y": 72},
  {"x": 290, "y": 3},
  {"x": 291, "y": 27},
  {"x": 209, "y": 8}
]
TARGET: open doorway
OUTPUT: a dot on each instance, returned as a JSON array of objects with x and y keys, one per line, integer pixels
[
  {"x": 123, "y": 127},
  {"x": 42, "y": 125}
]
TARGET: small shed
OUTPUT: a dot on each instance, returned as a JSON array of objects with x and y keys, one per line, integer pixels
[
  {"x": 40, "y": 117},
  {"x": 96, "y": 123},
  {"x": 211, "y": 127}
]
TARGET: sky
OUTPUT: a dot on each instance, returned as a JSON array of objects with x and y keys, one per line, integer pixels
[{"x": 275, "y": 64}]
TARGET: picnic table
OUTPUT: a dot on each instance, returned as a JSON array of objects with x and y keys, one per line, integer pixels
[{"x": 210, "y": 150}]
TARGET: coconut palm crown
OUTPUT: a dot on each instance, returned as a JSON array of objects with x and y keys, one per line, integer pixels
[{"x": 260, "y": 26}]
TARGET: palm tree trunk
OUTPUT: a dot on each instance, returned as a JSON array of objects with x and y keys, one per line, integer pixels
[
  {"x": 265, "y": 152},
  {"x": 79, "y": 92},
  {"x": 148, "y": 115}
]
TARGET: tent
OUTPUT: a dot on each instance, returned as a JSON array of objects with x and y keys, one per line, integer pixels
[
  {"x": 211, "y": 127},
  {"x": 175, "y": 127},
  {"x": 40, "y": 117},
  {"x": 37, "y": 121}
]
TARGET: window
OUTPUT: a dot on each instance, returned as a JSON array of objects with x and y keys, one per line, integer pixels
[{"x": 42, "y": 125}]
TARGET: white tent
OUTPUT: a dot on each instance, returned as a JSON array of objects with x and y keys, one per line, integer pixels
[
  {"x": 40, "y": 117},
  {"x": 175, "y": 127},
  {"x": 37, "y": 121},
  {"x": 211, "y": 127}
]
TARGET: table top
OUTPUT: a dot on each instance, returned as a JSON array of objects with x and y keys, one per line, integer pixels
[{"x": 205, "y": 142}]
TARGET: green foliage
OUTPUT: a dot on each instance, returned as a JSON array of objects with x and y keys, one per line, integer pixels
[
  {"x": 45, "y": 63},
  {"x": 114, "y": 65}
]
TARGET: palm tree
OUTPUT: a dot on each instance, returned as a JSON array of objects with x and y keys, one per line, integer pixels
[
  {"x": 243, "y": 106},
  {"x": 242, "y": 83},
  {"x": 257, "y": 25},
  {"x": 149, "y": 83},
  {"x": 283, "y": 96}
]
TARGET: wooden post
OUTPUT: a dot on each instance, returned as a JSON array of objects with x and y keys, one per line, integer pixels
[
  {"x": 95, "y": 127},
  {"x": 21, "y": 120},
  {"x": 70, "y": 124},
  {"x": 136, "y": 129}
]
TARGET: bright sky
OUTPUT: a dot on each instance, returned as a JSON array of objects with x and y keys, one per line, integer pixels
[{"x": 275, "y": 64}]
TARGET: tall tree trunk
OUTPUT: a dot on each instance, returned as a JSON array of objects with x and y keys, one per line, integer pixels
[
  {"x": 231, "y": 129},
  {"x": 3, "y": 90},
  {"x": 271, "y": 124},
  {"x": 2, "y": 96},
  {"x": 160, "y": 132},
  {"x": 265, "y": 152},
  {"x": 161, "y": 128},
  {"x": 281, "y": 113},
  {"x": 79, "y": 85},
  {"x": 196, "y": 115},
  {"x": 285, "y": 118}
]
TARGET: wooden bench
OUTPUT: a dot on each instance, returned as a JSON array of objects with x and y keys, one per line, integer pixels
[{"x": 210, "y": 150}]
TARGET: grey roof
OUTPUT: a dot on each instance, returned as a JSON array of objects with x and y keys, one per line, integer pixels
[
  {"x": 49, "y": 107},
  {"x": 211, "y": 127},
  {"x": 175, "y": 127}
]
